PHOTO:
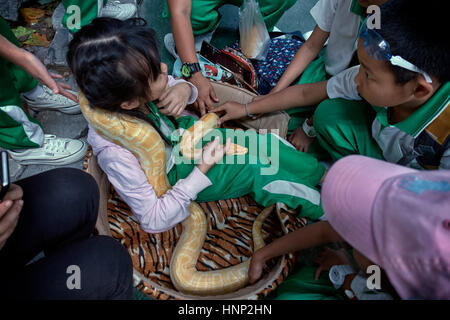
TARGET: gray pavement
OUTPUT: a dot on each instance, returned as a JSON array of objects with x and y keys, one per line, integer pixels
[{"x": 75, "y": 126}]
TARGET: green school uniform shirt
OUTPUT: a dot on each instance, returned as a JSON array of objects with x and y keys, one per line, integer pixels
[{"x": 408, "y": 142}]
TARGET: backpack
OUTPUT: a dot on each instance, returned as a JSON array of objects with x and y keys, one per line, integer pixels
[
  {"x": 227, "y": 66},
  {"x": 283, "y": 47}
]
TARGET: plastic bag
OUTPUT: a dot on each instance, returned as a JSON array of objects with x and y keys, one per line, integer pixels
[{"x": 254, "y": 38}]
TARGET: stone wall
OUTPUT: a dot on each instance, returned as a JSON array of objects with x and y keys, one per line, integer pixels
[{"x": 9, "y": 9}]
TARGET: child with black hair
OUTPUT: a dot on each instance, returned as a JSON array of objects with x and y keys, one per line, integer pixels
[
  {"x": 329, "y": 50},
  {"x": 404, "y": 81},
  {"x": 338, "y": 23},
  {"x": 117, "y": 67}
]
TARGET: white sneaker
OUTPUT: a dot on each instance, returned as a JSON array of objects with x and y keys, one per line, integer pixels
[
  {"x": 169, "y": 43},
  {"x": 47, "y": 100},
  {"x": 121, "y": 11},
  {"x": 55, "y": 151}
]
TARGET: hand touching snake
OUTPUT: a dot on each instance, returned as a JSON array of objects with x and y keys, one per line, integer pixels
[{"x": 144, "y": 142}]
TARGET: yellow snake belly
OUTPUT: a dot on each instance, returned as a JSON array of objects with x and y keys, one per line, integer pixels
[{"x": 144, "y": 142}]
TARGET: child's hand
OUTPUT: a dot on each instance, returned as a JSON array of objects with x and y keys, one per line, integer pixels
[
  {"x": 10, "y": 208},
  {"x": 276, "y": 89},
  {"x": 174, "y": 100},
  {"x": 206, "y": 94},
  {"x": 233, "y": 110},
  {"x": 257, "y": 98},
  {"x": 256, "y": 268},
  {"x": 212, "y": 153},
  {"x": 328, "y": 258},
  {"x": 35, "y": 67},
  {"x": 300, "y": 140}
]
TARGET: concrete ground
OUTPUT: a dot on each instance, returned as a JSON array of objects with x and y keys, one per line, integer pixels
[{"x": 75, "y": 126}]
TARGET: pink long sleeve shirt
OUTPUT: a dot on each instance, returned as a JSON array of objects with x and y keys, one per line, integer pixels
[{"x": 126, "y": 175}]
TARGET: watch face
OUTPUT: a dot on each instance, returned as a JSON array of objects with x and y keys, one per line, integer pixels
[{"x": 185, "y": 71}]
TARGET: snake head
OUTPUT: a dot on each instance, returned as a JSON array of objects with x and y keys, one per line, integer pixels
[{"x": 195, "y": 133}]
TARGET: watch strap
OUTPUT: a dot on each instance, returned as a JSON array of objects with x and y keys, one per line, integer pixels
[
  {"x": 338, "y": 273},
  {"x": 192, "y": 67},
  {"x": 309, "y": 130}
]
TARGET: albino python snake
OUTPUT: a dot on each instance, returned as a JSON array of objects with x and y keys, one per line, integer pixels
[{"x": 141, "y": 139}]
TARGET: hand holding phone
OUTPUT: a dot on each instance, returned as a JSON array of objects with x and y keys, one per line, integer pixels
[
  {"x": 11, "y": 202},
  {"x": 4, "y": 174}
]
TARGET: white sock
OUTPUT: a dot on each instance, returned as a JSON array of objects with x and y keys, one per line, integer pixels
[{"x": 34, "y": 93}]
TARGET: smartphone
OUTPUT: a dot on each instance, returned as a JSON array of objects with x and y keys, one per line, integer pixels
[{"x": 4, "y": 174}]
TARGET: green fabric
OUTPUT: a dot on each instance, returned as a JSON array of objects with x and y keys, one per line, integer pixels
[
  {"x": 205, "y": 14},
  {"x": 314, "y": 72},
  {"x": 343, "y": 127},
  {"x": 88, "y": 11},
  {"x": 13, "y": 81},
  {"x": 157, "y": 117},
  {"x": 302, "y": 286},
  {"x": 184, "y": 122},
  {"x": 12, "y": 134},
  {"x": 244, "y": 175},
  {"x": 357, "y": 9},
  {"x": 422, "y": 117}
]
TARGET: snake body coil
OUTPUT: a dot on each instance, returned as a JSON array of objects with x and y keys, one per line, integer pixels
[{"x": 144, "y": 142}]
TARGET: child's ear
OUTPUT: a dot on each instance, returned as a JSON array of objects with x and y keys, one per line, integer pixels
[
  {"x": 130, "y": 105},
  {"x": 423, "y": 88}
]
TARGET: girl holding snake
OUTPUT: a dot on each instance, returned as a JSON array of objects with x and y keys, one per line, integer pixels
[{"x": 118, "y": 68}]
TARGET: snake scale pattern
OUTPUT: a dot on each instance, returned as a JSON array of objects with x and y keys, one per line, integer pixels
[{"x": 144, "y": 142}]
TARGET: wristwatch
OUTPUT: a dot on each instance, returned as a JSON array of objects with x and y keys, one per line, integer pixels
[
  {"x": 188, "y": 69},
  {"x": 338, "y": 273},
  {"x": 309, "y": 130}
]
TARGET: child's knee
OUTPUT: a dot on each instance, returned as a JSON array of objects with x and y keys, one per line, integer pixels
[
  {"x": 75, "y": 191},
  {"x": 322, "y": 117}
]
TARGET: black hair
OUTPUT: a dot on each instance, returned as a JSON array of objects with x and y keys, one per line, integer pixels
[
  {"x": 113, "y": 61},
  {"x": 413, "y": 30}
]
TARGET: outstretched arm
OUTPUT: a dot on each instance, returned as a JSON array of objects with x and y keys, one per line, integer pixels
[
  {"x": 305, "y": 54},
  {"x": 11, "y": 52},
  {"x": 307, "y": 237},
  {"x": 33, "y": 66},
  {"x": 291, "y": 97}
]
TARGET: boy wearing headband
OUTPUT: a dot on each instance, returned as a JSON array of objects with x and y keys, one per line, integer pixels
[
  {"x": 404, "y": 80},
  {"x": 394, "y": 106}
]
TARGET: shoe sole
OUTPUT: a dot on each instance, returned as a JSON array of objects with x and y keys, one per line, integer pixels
[
  {"x": 56, "y": 162},
  {"x": 68, "y": 110},
  {"x": 111, "y": 15}
]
